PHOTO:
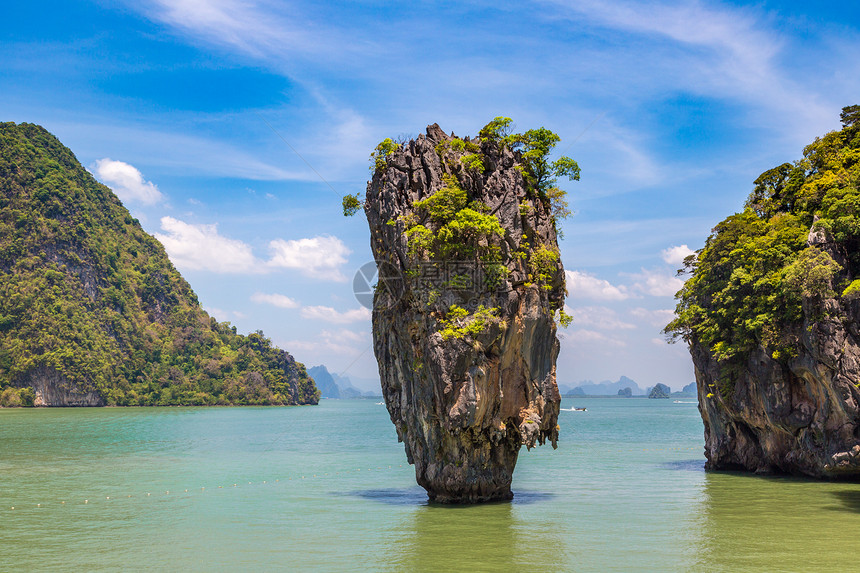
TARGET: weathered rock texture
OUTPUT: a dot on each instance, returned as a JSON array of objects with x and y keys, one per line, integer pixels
[
  {"x": 463, "y": 406},
  {"x": 798, "y": 418},
  {"x": 52, "y": 389}
]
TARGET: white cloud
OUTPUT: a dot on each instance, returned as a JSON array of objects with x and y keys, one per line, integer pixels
[
  {"x": 341, "y": 342},
  {"x": 318, "y": 257},
  {"x": 657, "y": 283},
  {"x": 328, "y": 314},
  {"x": 200, "y": 247},
  {"x": 279, "y": 300},
  {"x": 660, "y": 317},
  {"x": 582, "y": 285},
  {"x": 127, "y": 182},
  {"x": 676, "y": 255},
  {"x": 221, "y": 314},
  {"x": 585, "y": 336},
  {"x": 599, "y": 317}
]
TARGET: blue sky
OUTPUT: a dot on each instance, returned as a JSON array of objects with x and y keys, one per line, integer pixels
[{"x": 672, "y": 109}]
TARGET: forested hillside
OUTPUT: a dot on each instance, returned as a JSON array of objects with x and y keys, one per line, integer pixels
[{"x": 90, "y": 303}]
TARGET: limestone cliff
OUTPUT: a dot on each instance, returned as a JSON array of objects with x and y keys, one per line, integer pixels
[
  {"x": 799, "y": 416},
  {"x": 463, "y": 316},
  {"x": 772, "y": 316}
]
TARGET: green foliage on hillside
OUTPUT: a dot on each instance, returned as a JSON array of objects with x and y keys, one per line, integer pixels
[
  {"x": 86, "y": 292},
  {"x": 749, "y": 282}
]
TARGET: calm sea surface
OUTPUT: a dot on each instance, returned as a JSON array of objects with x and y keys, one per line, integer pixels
[{"x": 327, "y": 488}]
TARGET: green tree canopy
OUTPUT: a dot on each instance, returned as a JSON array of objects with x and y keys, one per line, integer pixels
[{"x": 748, "y": 283}]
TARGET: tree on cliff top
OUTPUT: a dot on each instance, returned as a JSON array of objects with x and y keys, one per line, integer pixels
[{"x": 534, "y": 147}]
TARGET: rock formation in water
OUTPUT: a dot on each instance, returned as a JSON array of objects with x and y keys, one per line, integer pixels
[
  {"x": 659, "y": 391},
  {"x": 325, "y": 381},
  {"x": 772, "y": 316},
  {"x": 464, "y": 313},
  {"x": 93, "y": 313}
]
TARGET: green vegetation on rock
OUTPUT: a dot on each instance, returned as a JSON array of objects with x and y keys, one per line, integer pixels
[
  {"x": 447, "y": 225},
  {"x": 459, "y": 323},
  {"x": 757, "y": 270},
  {"x": 379, "y": 156},
  {"x": 87, "y": 294}
]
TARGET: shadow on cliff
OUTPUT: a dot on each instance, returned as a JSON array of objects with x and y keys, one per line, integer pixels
[{"x": 417, "y": 496}]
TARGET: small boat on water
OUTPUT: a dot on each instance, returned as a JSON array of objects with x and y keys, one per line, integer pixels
[{"x": 574, "y": 409}]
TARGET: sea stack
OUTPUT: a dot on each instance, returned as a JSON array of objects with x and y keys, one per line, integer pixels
[
  {"x": 464, "y": 314},
  {"x": 771, "y": 313}
]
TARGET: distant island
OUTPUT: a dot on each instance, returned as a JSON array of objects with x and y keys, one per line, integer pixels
[
  {"x": 334, "y": 386},
  {"x": 624, "y": 387},
  {"x": 93, "y": 313},
  {"x": 659, "y": 391}
]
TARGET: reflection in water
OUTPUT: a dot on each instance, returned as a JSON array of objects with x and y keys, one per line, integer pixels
[
  {"x": 394, "y": 496},
  {"x": 685, "y": 465},
  {"x": 753, "y": 523},
  {"x": 849, "y": 500},
  {"x": 417, "y": 496},
  {"x": 505, "y": 536}
]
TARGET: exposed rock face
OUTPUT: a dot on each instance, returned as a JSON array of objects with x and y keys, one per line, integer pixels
[
  {"x": 464, "y": 403},
  {"x": 52, "y": 389},
  {"x": 801, "y": 418}
]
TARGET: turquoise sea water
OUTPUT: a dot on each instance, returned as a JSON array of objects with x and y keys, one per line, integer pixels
[{"x": 327, "y": 488}]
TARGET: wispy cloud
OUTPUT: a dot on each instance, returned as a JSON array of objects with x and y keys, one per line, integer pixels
[
  {"x": 721, "y": 49},
  {"x": 587, "y": 336},
  {"x": 221, "y": 314},
  {"x": 321, "y": 348},
  {"x": 660, "y": 317},
  {"x": 259, "y": 29},
  {"x": 656, "y": 282},
  {"x": 598, "y": 317},
  {"x": 175, "y": 149}
]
